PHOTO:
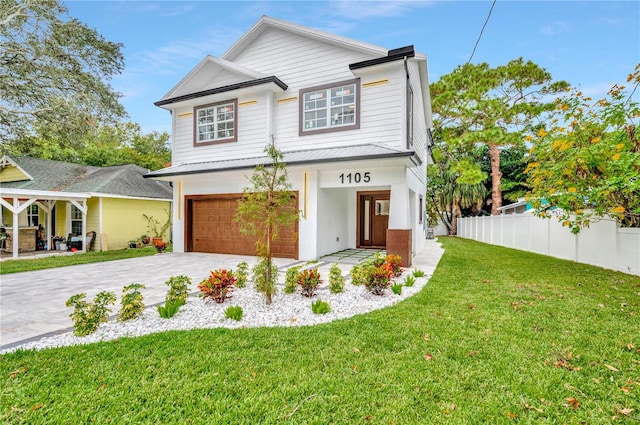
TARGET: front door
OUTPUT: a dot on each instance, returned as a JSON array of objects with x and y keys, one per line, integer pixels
[{"x": 373, "y": 219}]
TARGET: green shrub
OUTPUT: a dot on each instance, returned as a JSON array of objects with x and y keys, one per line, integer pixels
[
  {"x": 88, "y": 316},
  {"x": 309, "y": 280},
  {"x": 361, "y": 273},
  {"x": 409, "y": 281},
  {"x": 291, "y": 279},
  {"x": 378, "y": 259},
  {"x": 320, "y": 307},
  {"x": 132, "y": 302},
  {"x": 178, "y": 289},
  {"x": 169, "y": 309},
  {"x": 218, "y": 285},
  {"x": 242, "y": 274},
  {"x": 418, "y": 273},
  {"x": 234, "y": 312},
  {"x": 336, "y": 280},
  {"x": 396, "y": 288}
]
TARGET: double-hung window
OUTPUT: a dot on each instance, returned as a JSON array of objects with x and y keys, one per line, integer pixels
[
  {"x": 33, "y": 215},
  {"x": 76, "y": 220},
  {"x": 331, "y": 107},
  {"x": 216, "y": 123}
]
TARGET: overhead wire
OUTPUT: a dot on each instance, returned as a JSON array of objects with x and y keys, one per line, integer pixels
[{"x": 482, "y": 31}]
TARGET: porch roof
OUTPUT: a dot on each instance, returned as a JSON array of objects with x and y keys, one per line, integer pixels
[
  {"x": 6, "y": 192},
  {"x": 310, "y": 156}
]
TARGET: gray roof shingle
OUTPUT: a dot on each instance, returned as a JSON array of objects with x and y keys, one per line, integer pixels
[{"x": 119, "y": 180}]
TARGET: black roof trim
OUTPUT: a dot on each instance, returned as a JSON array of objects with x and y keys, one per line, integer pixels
[
  {"x": 244, "y": 84},
  {"x": 392, "y": 55},
  {"x": 409, "y": 154}
]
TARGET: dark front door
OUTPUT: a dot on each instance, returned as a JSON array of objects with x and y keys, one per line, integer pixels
[{"x": 373, "y": 218}]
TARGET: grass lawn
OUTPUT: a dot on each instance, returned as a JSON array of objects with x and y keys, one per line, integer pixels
[
  {"x": 30, "y": 264},
  {"x": 496, "y": 336}
]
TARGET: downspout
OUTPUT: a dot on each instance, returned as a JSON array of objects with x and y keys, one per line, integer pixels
[{"x": 406, "y": 91}]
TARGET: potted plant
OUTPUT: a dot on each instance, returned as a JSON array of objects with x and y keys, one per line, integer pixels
[{"x": 157, "y": 229}]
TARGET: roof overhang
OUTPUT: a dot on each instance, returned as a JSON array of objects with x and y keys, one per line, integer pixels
[
  {"x": 392, "y": 56},
  {"x": 273, "y": 81},
  {"x": 306, "y": 157},
  {"x": 42, "y": 194}
]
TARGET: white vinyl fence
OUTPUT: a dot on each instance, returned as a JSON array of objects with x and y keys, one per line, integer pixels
[{"x": 602, "y": 244}]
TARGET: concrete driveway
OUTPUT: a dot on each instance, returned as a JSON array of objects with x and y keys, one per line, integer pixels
[{"x": 32, "y": 304}]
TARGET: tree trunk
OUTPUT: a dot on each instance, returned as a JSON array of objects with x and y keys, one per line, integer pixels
[
  {"x": 496, "y": 176},
  {"x": 269, "y": 260},
  {"x": 455, "y": 213}
]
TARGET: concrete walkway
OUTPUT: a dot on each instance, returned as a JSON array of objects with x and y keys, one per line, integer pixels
[{"x": 32, "y": 304}]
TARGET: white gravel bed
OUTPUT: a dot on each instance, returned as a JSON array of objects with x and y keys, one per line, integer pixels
[{"x": 285, "y": 310}]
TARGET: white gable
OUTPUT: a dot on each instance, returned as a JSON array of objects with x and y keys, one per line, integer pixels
[
  {"x": 210, "y": 73},
  {"x": 266, "y": 23}
]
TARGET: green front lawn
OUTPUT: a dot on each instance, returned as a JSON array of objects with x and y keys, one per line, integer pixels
[
  {"x": 30, "y": 264},
  {"x": 497, "y": 336}
]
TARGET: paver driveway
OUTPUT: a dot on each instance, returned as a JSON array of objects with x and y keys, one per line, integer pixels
[{"x": 32, "y": 304}]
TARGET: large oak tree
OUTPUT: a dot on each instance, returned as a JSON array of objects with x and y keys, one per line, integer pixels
[{"x": 54, "y": 74}]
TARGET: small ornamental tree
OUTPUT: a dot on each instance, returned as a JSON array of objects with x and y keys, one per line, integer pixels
[
  {"x": 266, "y": 207},
  {"x": 586, "y": 163}
]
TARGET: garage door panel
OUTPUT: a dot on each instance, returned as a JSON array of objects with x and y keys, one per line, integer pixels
[{"x": 213, "y": 230}]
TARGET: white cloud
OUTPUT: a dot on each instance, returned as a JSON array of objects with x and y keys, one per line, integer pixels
[{"x": 555, "y": 28}]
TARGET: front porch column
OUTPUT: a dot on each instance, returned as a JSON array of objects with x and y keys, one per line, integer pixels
[
  {"x": 399, "y": 234},
  {"x": 16, "y": 226},
  {"x": 399, "y": 207},
  {"x": 16, "y": 209}
]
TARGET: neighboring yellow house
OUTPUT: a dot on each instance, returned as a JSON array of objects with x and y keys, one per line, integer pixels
[{"x": 55, "y": 200}]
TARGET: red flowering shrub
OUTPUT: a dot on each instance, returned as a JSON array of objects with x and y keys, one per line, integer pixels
[
  {"x": 380, "y": 279},
  {"x": 396, "y": 264},
  {"x": 218, "y": 285},
  {"x": 309, "y": 280}
]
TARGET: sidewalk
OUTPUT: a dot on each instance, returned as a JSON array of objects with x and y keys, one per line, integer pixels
[{"x": 32, "y": 304}]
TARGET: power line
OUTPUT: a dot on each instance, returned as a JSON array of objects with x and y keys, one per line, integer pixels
[{"x": 481, "y": 31}]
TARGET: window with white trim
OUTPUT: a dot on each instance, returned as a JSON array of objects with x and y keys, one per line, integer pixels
[
  {"x": 330, "y": 107},
  {"x": 33, "y": 215},
  {"x": 216, "y": 123},
  {"x": 76, "y": 220}
]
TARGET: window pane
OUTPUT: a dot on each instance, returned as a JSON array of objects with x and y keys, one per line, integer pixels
[
  {"x": 331, "y": 107},
  {"x": 216, "y": 122}
]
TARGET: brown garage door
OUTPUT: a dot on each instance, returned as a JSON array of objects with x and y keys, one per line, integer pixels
[{"x": 210, "y": 228}]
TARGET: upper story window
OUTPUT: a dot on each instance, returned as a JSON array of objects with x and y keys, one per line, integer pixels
[
  {"x": 331, "y": 107},
  {"x": 216, "y": 123}
]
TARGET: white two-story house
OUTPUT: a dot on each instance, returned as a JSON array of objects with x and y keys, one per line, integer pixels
[{"x": 352, "y": 119}]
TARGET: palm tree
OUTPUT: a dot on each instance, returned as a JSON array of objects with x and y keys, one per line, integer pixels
[{"x": 452, "y": 196}]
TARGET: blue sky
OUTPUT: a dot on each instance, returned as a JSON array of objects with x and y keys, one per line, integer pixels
[{"x": 590, "y": 44}]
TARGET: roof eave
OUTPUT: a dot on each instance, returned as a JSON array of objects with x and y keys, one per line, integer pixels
[
  {"x": 411, "y": 155},
  {"x": 392, "y": 55},
  {"x": 245, "y": 84}
]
